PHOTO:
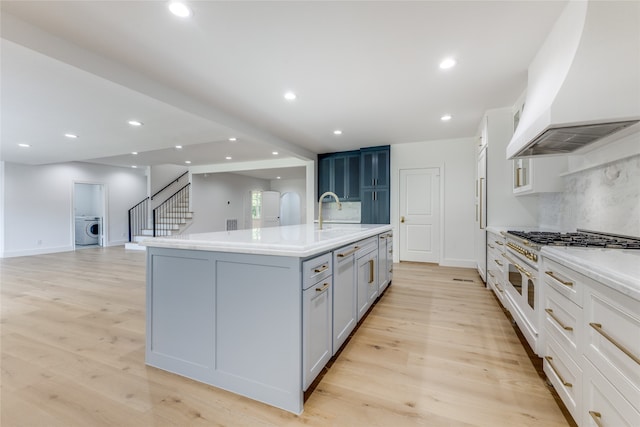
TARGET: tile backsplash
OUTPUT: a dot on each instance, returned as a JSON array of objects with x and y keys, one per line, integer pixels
[
  {"x": 350, "y": 211},
  {"x": 605, "y": 198}
]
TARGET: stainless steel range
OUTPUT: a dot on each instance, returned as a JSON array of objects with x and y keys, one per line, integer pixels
[{"x": 523, "y": 272}]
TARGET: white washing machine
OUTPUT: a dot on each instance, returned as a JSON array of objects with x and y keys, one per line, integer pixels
[{"x": 88, "y": 229}]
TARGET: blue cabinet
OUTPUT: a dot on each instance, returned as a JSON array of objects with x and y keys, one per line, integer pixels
[
  {"x": 374, "y": 176},
  {"x": 340, "y": 173}
]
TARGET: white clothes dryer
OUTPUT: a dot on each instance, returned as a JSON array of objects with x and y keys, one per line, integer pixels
[{"x": 88, "y": 229}]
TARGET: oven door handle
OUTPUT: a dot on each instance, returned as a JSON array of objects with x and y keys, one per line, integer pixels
[{"x": 520, "y": 268}]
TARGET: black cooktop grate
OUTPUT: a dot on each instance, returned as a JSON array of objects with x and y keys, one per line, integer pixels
[{"x": 580, "y": 239}]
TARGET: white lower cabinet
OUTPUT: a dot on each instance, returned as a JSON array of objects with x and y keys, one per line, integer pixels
[
  {"x": 591, "y": 347},
  {"x": 317, "y": 331}
]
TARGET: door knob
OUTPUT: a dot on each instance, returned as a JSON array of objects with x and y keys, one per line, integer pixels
[{"x": 401, "y": 219}]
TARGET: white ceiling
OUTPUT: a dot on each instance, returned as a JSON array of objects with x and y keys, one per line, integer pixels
[{"x": 367, "y": 68}]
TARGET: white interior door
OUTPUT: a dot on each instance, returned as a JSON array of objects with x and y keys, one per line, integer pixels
[
  {"x": 270, "y": 208},
  {"x": 420, "y": 215}
]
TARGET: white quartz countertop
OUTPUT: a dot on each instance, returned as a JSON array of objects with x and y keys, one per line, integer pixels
[
  {"x": 617, "y": 268},
  {"x": 293, "y": 240}
]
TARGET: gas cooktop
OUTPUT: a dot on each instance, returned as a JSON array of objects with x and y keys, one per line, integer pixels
[{"x": 580, "y": 238}]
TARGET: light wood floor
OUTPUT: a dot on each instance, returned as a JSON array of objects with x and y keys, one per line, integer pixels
[{"x": 434, "y": 352}]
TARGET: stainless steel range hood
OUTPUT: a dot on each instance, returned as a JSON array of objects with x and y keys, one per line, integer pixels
[{"x": 584, "y": 83}]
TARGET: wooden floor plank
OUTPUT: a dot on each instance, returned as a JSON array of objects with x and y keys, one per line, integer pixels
[{"x": 436, "y": 350}]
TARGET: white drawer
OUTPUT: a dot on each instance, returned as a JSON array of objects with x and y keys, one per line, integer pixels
[
  {"x": 316, "y": 269},
  {"x": 563, "y": 321},
  {"x": 612, "y": 339},
  {"x": 565, "y": 375},
  {"x": 603, "y": 405},
  {"x": 566, "y": 281}
]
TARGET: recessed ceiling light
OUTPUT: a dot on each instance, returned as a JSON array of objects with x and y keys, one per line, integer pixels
[
  {"x": 337, "y": 132},
  {"x": 447, "y": 63},
  {"x": 446, "y": 117},
  {"x": 289, "y": 96},
  {"x": 134, "y": 166},
  {"x": 275, "y": 153},
  {"x": 70, "y": 135},
  {"x": 277, "y": 177},
  {"x": 134, "y": 123},
  {"x": 135, "y": 153},
  {"x": 188, "y": 162},
  {"x": 178, "y": 147},
  {"x": 180, "y": 9},
  {"x": 233, "y": 139},
  {"x": 24, "y": 145},
  {"x": 228, "y": 158}
]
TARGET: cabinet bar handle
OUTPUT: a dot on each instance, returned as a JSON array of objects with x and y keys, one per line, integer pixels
[
  {"x": 491, "y": 246},
  {"x": 498, "y": 262},
  {"x": 321, "y": 269},
  {"x": 550, "y": 274},
  {"x": 596, "y": 418},
  {"x": 555, "y": 371},
  {"x": 598, "y": 328},
  {"x": 553, "y": 316},
  {"x": 371, "y": 271},
  {"x": 498, "y": 242},
  {"x": 499, "y": 288},
  {"x": 323, "y": 288},
  {"x": 344, "y": 254},
  {"x": 490, "y": 274}
]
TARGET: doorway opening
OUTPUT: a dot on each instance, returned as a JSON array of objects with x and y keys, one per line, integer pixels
[{"x": 88, "y": 215}]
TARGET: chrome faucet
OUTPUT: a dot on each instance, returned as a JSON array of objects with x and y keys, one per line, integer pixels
[{"x": 328, "y": 193}]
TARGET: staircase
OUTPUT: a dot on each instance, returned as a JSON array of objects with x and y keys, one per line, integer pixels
[{"x": 171, "y": 217}]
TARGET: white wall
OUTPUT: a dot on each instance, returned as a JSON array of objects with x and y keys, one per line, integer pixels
[
  {"x": 457, "y": 162},
  {"x": 295, "y": 186},
  {"x": 217, "y": 197},
  {"x": 38, "y": 202}
]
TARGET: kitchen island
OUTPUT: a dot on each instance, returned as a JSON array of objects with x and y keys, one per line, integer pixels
[{"x": 227, "y": 309}]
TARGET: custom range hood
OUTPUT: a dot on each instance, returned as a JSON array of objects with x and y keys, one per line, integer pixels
[{"x": 584, "y": 83}]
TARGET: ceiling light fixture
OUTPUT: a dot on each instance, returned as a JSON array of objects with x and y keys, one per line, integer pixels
[
  {"x": 337, "y": 132},
  {"x": 233, "y": 139},
  {"x": 24, "y": 145},
  {"x": 178, "y": 147},
  {"x": 275, "y": 153},
  {"x": 277, "y": 177},
  {"x": 289, "y": 96},
  {"x": 446, "y": 117},
  {"x": 228, "y": 158},
  {"x": 134, "y": 166},
  {"x": 188, "y": 162},
  {"x": 180, "y": 9},
  {"x": 70, "y": 135},
  {"x": 135, "y": 153},
  {"x": 134, "y": 123},
  {"x": 447, "y": 63}
]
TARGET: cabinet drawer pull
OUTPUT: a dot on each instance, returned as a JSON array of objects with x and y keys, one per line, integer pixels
[
  {"x": 491, "y": 246},
  {"x": 553, "y": 316},
  {"x": 555, "y": 371},
  {"x": 499, "y": 288},
  {"x": 321, "y": 269},
  {"x": 498, "y": 262},
  {"x": 344, "y": 254},
  {"x": 499, "y": 243},
  {"x": 598, "y": 328},
  {"x": 490, "y": 274},
  {"x": 596, "y": 418},
  {"x": 371, "y": 271},
  {"x": 323, "y": 288},
  {"x": 551, "y": 274}
]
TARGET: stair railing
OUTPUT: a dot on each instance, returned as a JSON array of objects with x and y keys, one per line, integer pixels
[
  {"x": 168, "y": 185},
  {"x": 138, "y": 218},
  {"x": 171, "y": 212}
]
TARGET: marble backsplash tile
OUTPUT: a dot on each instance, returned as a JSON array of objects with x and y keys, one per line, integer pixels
[
  {"x": 605, "y": 198},
  {"x": 350, "y": 211}
]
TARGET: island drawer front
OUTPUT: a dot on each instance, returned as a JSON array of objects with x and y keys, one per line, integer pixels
[
  {"x": 316, "y": 269},
  {"x": 366, "y": 246},
  {"x": 565, "y": 375},
  {"x": 612, "y": 343},
  {"x": 566, "y": 281}
]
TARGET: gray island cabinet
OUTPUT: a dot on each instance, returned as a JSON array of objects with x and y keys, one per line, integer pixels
[{"x": 251, "y": 311}]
